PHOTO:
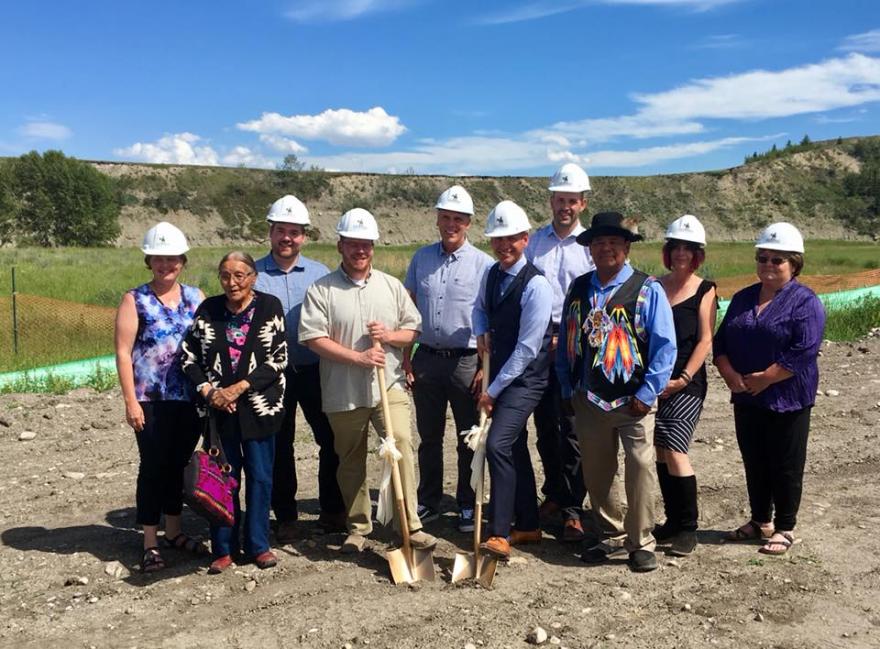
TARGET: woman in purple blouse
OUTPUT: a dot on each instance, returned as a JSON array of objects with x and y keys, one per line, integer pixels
[{"x": 766, "y": 350}]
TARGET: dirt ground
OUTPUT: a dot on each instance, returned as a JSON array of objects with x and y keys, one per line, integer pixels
[{"x": 66, "y": 515}]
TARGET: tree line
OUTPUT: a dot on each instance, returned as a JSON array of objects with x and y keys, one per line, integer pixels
[{"x": 52, "y": 200}]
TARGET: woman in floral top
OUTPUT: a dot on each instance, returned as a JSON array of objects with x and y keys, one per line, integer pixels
[{"x": 150, "y": 325}]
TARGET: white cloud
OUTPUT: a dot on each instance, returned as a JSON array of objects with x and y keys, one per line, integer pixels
[
  {"x": 343, "y": 127},
  {"x": 242, "y": 156},
  {"x": 45, "y": 130},
  {"x": 313, "y": 11},
  {"x": 535, "y": 10},
  {"x": 177, "y": 148},
  {"x": 282, "y": 144},
  {"x": 505, "y": 154},
  {"x": 761, "y": 94},
  {"x": 864, "y": 42},
  {"x": 655, "y": 154}
]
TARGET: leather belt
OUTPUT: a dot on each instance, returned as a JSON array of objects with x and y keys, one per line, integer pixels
[{"x": 457, "y": 352}]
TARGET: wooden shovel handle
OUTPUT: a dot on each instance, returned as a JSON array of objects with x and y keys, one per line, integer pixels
[
  {"x": 395, "y": 469},
  {"x": 478, "y": 513}
]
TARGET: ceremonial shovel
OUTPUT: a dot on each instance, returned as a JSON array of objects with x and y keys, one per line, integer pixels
[
  {"x": 407, "y": 564},
  {"x": 474, "y": 566}
]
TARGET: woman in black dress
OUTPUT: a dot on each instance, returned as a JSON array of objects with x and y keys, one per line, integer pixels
[{"x": 694, "y": 305}]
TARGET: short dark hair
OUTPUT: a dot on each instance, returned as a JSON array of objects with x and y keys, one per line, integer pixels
[
  {"x": 796, "y": 259},
  {"x": 238, "y": 255},
  {"x": 697, "y": 249},
  {"x": 147, "y": 259}
]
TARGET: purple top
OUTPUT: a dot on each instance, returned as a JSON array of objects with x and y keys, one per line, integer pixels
[{"x": 788, "y": 332}]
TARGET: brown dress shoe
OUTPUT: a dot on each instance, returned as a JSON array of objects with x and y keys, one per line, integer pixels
[
  {"x": 572, "y": 531},
  {"x": 496, "y": 546},
  {"x": 521, "y": 537}
]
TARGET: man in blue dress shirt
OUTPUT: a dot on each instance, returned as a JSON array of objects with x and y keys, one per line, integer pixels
[
  {"x": 616, "y": 353},
  {"x": 286, "y": 274},
  {"x": 443, "y": 279},
  {"x": 513, "y": 308},
  {"x": 554, "y": 250}
]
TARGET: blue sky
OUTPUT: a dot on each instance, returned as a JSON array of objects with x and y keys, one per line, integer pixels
[{"x": 437, "y": 86}]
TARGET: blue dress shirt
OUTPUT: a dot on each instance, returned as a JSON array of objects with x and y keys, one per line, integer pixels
[
  {"x": 290, "y": 287},
  {"x": 657, "y": 316},
  {"x": 445, "y": 286},
  {"x": 536, "y": 302},
  {"x": 561, "y": 261}
]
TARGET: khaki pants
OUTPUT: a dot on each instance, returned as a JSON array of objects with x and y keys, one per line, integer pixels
[
  {"x": 600, "y": 434},
  {"x": 350, "y": 433}
]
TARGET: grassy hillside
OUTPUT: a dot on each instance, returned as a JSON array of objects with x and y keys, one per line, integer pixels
[{"x": 818, "y": 187}]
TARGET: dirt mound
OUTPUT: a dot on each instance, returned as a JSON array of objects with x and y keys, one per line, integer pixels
[
  {"x": 727, "y": 286},
  {"x": 67, "y": 518}
]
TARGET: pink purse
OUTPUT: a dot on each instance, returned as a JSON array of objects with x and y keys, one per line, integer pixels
[{"x": 208, "y": 484}]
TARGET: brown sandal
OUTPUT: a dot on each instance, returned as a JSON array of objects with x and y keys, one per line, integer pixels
[
  {"x": 786, "y": 543},
  {"x": 751, "y": 531},
  {"x": 152, "y": 561}
]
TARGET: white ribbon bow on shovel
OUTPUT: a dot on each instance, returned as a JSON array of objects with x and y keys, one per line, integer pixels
[
  {"x": 389, "y": 453},
  {"x": 475, "y": 438}
]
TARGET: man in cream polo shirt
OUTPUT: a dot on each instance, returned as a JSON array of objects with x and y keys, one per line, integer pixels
[{"x": 342, "y": 315}]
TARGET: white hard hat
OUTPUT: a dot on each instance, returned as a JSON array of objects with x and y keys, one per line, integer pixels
[
  {"x": 505, "y": 219},
  {"x": 358, "y": 223},
  {"x": 781, "y": 236},
  {"x": 570, "y": 178},
  {"x": 164, "y": 239},
  {"x": 288, "y": 209},
  {"x": 687, "y": 228},
  {"x": 456, "y": 199}
]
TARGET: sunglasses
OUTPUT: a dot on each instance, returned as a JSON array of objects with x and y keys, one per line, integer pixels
[{"x": 776, "y": 261}]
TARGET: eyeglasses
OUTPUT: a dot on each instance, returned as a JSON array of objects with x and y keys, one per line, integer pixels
[
  {"x": 237, "y": 277},
  {"x": 776, "y": 261}
]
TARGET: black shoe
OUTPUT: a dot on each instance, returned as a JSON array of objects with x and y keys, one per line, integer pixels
[
  {"x": 596, "y": 554},
  {"x": 642, "y": 561},
  {"x": 683, "y": 543},
  {"x": 664, "y": 532}
]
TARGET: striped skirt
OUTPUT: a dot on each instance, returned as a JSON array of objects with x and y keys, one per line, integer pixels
[{"x": 676, "y": 420}]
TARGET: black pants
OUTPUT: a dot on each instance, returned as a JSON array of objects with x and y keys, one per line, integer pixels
[
  {"x": 774, "y": 450},
  {"x": 559, "y": 449},
  {"x": 304, "y": 388},
  {"x": 514, "y": 496},
  {"x": 171, "y": 430},
  {"x": 440, "y": 382}
]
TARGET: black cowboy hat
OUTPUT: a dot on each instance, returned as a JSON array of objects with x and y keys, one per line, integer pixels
[{"x": 610, "y": 224}]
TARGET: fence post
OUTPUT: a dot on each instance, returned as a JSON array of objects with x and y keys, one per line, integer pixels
[{"x": 14, "y": 316}]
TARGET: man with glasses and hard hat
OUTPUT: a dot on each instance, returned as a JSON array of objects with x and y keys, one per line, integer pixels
[
  {"x": 286, "y": 274},
  {"x": 343, "y": 314},
  {"x": 555, "y": 252},
  {"x": 513, "y": 307},
  {"x": 443, "y": 279}
]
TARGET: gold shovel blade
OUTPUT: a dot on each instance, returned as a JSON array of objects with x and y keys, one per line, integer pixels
[
  {"x": 486, "y": 573},
  {"x": 422, "y": 567},
  {"x": 400, "y": 572},
  {"x": 465, "y": 567}
]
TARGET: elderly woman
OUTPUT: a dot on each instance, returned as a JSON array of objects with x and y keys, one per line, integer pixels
[
  {"x": 235, "y": 355},
  {"x": 694, "y": 304},
  {"x": 766, "y": 351},
  {"x": 150, "y": 325}
]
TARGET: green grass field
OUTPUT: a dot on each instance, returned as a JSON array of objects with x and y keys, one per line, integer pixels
[{"x": 94, "y": 278}]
